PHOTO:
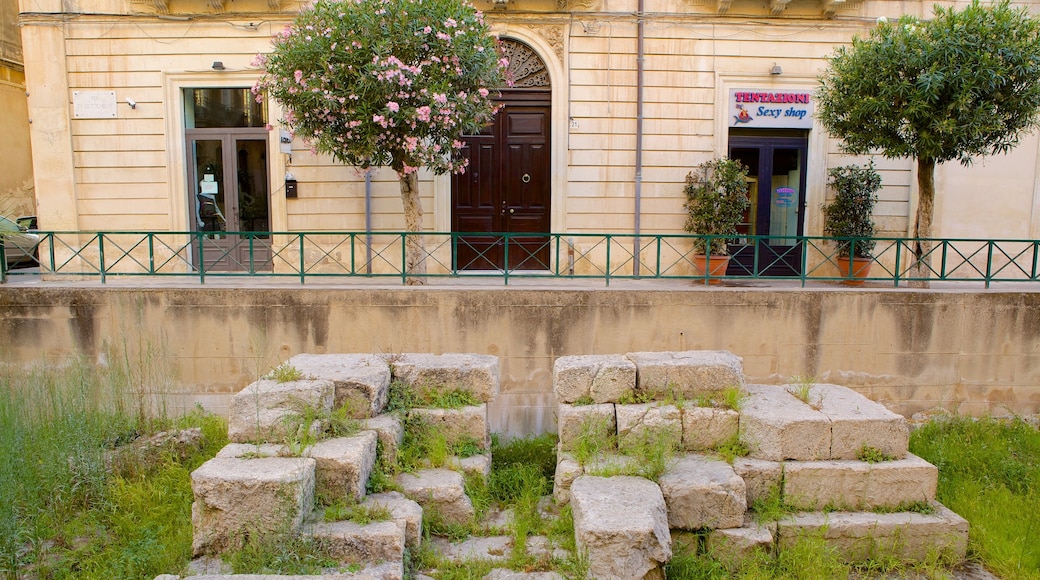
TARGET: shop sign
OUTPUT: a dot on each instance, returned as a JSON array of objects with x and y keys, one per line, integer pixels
[{"x": 770, "y": 109}]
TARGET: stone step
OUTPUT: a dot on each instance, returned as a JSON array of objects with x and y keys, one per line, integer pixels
[
  {"x": 457, "y": 424},
  {"x": 476, "y": 373},
  {"x": 603, "y": 378},
  {"x": 860, "y": 536},
  {"x": 440, "y": 492},
  {"x": 493, "y": 548},
  {"x": 622, "y": 523},
  {"x": 236, "y": 497},
  {"x": 703, "y": 492},
  {"x": 361, "y": 381},
  {"x": 858, "y": 485},
  {"x": 832, "y": 423},
  {"x": 264, "y": 410},
  {"x": 353, "y": 543},
  {"x": 689, "y": 373},
  {"x": 402, "y": 510},
  {"x": 344, "y": 465}
]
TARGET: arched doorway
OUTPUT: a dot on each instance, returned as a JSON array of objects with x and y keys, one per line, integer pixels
[{"x": 507, "y": 186}]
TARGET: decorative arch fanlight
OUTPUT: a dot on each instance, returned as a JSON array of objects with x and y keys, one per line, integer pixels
[{"x": 526, "y": 68}]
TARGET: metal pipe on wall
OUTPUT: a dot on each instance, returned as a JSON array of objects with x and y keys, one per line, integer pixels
[{"x": 639, "y": 136}]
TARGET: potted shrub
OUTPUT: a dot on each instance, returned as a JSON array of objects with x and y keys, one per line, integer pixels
[
  {"x": 850, "y": 218},
  {"x": 716, "y": 199}
]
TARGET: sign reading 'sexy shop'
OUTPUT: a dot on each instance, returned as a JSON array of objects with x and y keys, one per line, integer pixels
[{"x": 770, "y": 109}]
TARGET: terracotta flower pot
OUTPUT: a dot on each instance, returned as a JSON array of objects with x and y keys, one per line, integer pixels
[
  {"x": 718, "y": 267},
  {"x": 860, "y": 268}
]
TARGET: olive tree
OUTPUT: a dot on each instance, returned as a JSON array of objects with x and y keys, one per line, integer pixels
[
  {"x": 964, "y": 84},
  {"x": 387, "y": 83}
]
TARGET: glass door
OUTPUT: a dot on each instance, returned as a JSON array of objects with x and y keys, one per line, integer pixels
[{"x": 776, "y": 188}]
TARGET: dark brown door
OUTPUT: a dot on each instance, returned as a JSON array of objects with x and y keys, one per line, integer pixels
[{"x": 505, "y": 192}]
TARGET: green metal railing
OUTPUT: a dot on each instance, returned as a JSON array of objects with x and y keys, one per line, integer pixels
[{"x": 606, "y": 257}]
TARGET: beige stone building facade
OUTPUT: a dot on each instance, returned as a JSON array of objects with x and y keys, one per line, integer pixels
[
  {"x": 16, "y": 183},
  {"x": 141, "y": 120}
]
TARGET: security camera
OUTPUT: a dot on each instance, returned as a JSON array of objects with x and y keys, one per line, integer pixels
[{"x": 131, "y": 102}]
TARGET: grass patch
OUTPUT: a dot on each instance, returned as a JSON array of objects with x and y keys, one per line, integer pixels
[
  {"x": 285, "y": 373},
  {"x": 989, "y": 473},
  {"x": 403, "y": 397},
  {"x": 870, "y": 454},
  {"x": 361, "y": 514},
  {"x": 280, "y": 553},
  {"x": 733, "y": 447}
]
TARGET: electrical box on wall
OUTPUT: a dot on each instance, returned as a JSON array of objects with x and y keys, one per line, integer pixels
[{"x": 290, "y": 186}]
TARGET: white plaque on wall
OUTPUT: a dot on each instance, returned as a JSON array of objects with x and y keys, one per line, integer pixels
[{"x": 94, "y": 104}]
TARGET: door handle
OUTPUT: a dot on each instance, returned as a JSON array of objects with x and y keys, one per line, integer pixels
[
  {"x": 511, "y": 210},
  {"x": 526, "y": 178}
]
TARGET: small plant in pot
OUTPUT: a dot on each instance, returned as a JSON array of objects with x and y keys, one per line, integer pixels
[
  {"x": 849, "y": 217},
  {"x": 716, "y": 199}
]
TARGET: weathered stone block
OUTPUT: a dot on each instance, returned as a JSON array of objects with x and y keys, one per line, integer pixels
[
  {"x": 492, "y": 548},
  {"x": 369, "y": 543},
  {"x": 707, "y": 427},
  {"x": 856, "y": 421},
  {"x": 476, "y": 373},
  {"x": 702, "y": 492},
  {"x": 440, "y": 492},
  {"x": 253, "y": 451},
  {"x": 268, "y": 410},
  {"x": 778, "y": 426},
  {"x": 362, "y": 381},
  {"x": 856, "y": 485},
  {"x": 505, "y": 574},
  {"x": 761, "y": 477},
  {"x": 605, "y": 378},
  {"x": 390, "y": 432},
  {"x": 457, "y": 424},
  {"x": 859, "y": 536},
  {"x": 567, "y": 470},
  {"x": 343, "y": 466},
  {"x": 691, "y": 372},
  {"x": 403, "y": 510},
  {"x": 596, "y": 421},
  {"x": 635, "y": 422},
  {"x": 733, "y": 545},
  {"x": 234, "y": 497},
  {"x": 623, "y": 525},
  {"x": 479, "y": 465}
]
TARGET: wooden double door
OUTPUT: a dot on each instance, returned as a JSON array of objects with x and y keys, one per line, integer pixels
[{"x": 505, "y": 192}]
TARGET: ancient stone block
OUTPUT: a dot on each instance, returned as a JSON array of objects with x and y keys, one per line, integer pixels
[
  {"x": 476, "y": 373},
  {"x": 403, "y": 510},
  {"x": 690, "y": 373},
  {"x": 440, "y": 492},
  {"x": 370, "y": 543},
  {"x": 234, "y": 497},
  {"x": 253, "y": 451},
  {"x": 732, "y": 545},
  {"x": 703, "y": 492},
  {"x": 856, "y": 485},
  {"x": 268, "y": 410},
  {"x": 567, "y": 470},
  {"x": 760, "y": 477},
  {"x": 623, "y": 525},
  {"x": 706, "y": 427},
  {"x": 591, "y": 421},
  {"x": 636, "y": 422},
  {"x": 858, "y": 422},
  {"x": 860, "y": 536},
  {"x": 343, "y": 466},
  {"x": 457, "y": 424},
  {"x": 778, "y": 426},
  {"x": 605, "y": 378},
  {"x": 390, "y": 432},
  {"x": 362, "y": 381}
]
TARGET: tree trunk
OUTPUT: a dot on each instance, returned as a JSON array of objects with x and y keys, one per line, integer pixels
[
  {"x": 921, "y": 267},
  {"x": 415, "y": 247}
]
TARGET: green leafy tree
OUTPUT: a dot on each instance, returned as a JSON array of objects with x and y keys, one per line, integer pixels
[
  {"x": 716, "y": 199},
  {"x": 387, "y": 82},
  {"x": 962, "y": 85},
  {"x": 851, "y": 213}
]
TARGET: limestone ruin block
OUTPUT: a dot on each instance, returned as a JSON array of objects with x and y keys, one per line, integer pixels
[
  {"x": 860, "y": 536},
  {"x": 252, "y": 451},
  {"x": 856, "y": 421},
  {"x": 605, "y": 378},
  {"x": 707, "y": 427},
  {"x": 440, "y": 492},
  {"x": 266, "y": 409},
  {"x": 635, "y": 422},
  {"x": 778, "y": 426},
  {"x": 343, "y": 466},
  {"x": 234, "y": 497},
  {"x": 760, "y": 477},
  {"x": 390, "y": 432},
  {"x": 703, "y": 492},
  {"x": 351, "y": 542},
  {"x": 457, "y": 424},
  {"x": 362, "y": 381},
  {"x": 403, "y": 510},
  {"x": 593, "y": 420},
  {"x": 731, "y": 545},
  {"x": 857, "y": 485},
  {"x": 476, "y": 373},
  {"x": 567, "y": 470},
  {"x": 623, "y": 525},
  {"x": 690, "y": 373}
]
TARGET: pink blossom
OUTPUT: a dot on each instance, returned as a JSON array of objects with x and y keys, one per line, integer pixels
[
  {"x": 483, "y": 92},
  {"x": 423, "y": 113},
  {"x": 450, "y": 23},
  {"x": 394, "y": 107},
  {"x": 299, "y": 76},
  {"x": 427, "y": 30},
  {"x": 440, "y": 98}
]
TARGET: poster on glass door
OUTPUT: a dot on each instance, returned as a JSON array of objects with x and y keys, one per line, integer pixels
[{"x": 756, "y": 108}]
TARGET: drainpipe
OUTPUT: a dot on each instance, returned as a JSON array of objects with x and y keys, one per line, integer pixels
[
  {"x": 639, "y": 134},
  {"x": 368, "y": 221}
]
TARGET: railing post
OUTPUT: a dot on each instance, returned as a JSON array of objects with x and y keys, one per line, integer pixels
[
  {"x": 505, "y": 258},
  {"x": 606, "y": 276},
  {"x": 404, "y": 258},
  {"x": 3, "y": 262},
  {"x": 899, "y": 255},
  {"x": 151, "y": 253},
  {"x": 101, "y": 255},
  {"x": 202, "y": 260},
  {"x": 989, "y": 262}
]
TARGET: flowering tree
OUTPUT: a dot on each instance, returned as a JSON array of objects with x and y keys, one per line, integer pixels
[
  {"x": 964, "y": 84},
  {"x": 387, "y": 82}
]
